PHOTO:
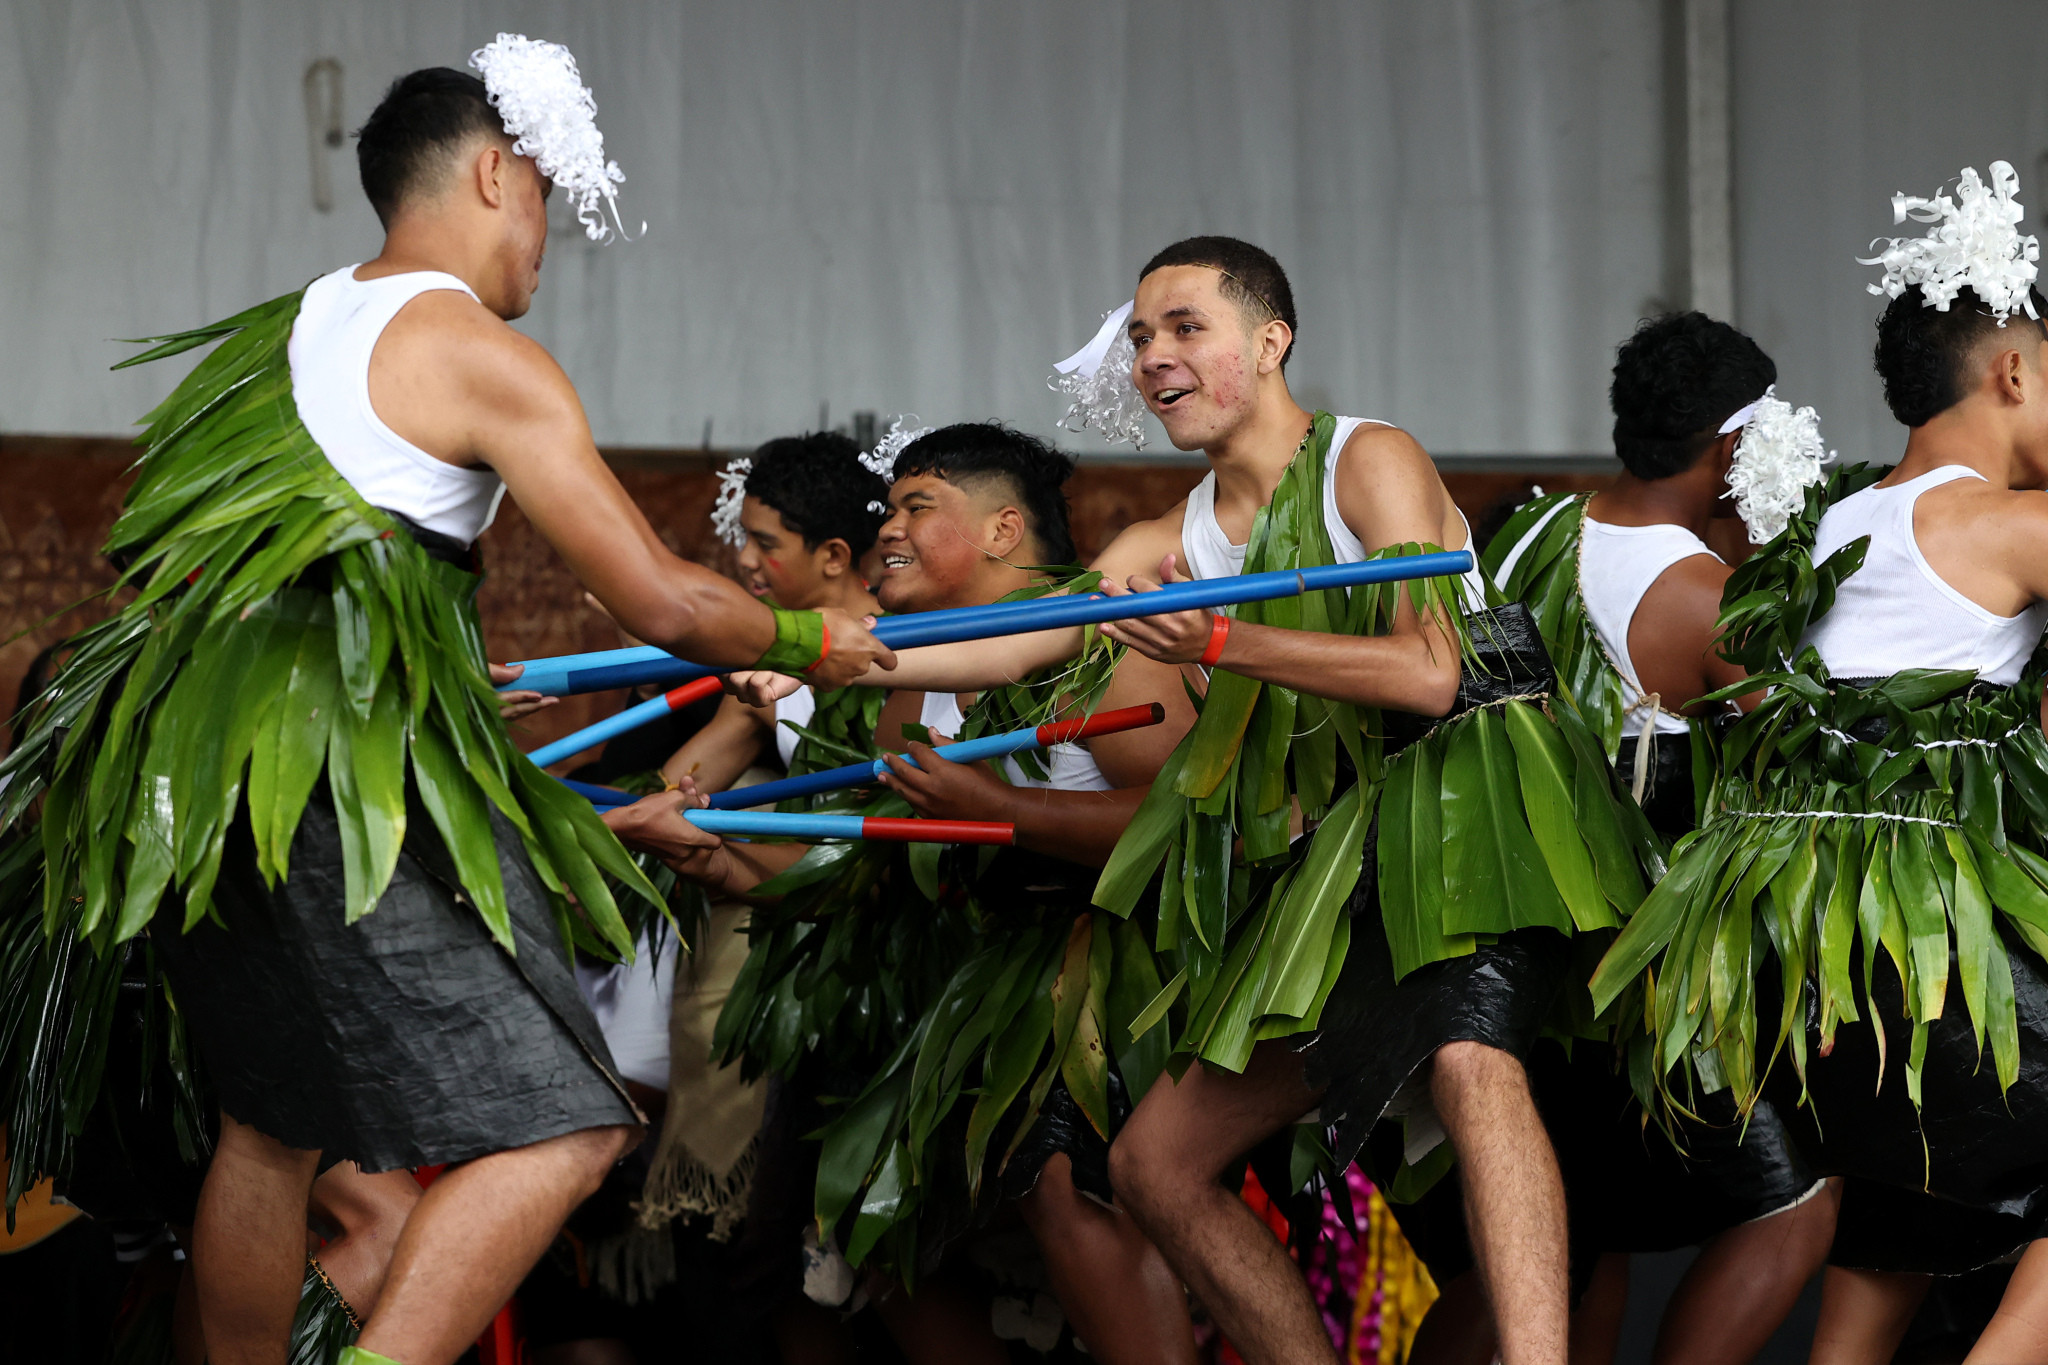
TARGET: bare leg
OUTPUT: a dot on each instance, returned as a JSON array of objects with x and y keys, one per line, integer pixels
[
  {"x": 1458, "y": 1328},
  {"x": 1116, "y": 1288},
  {"x": 475, "y": 1234},
  {"x": 1744, "y": 1282},
  {"x": 1514, "y": 1196},
  {"x": 2019, "y": 1329},
  {"x": 371, "y": 1211},
  {"x": 249, "y": 1245},
  {"x": 941, "y": 1324},
  {"x": 1864, "y": 1314},
  {"x": 1165, "y": 1166},
  {"x": 1596, "y": 1322}
]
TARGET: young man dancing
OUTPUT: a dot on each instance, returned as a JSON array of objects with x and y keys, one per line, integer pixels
[
  {"x": 975, "y": 509},
  {"x": 1889, "y": 793},
  {"x": 1288, "y": 1006},
  {"x": 1628, "y": 597},
  {"x": 343, "y": 942}
]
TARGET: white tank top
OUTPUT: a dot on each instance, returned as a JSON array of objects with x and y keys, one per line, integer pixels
[
  {"x": 1617, "y": 565},
  {"x": 1210, "y": 553},
  {"x": 1895, "y": 612},
  {"x": 339, "y": 322},
  {"x": 1071, "y": 767},
  {"x": 798, "y": 708}
]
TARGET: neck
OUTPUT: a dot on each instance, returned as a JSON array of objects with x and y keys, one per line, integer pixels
[
  {"x": 1689, "y": 500},
  {"x": 1251, "y": 459},
  {"x": 1967, "y": 434},
  {"x": 850, "y": 595},
  {"x": 416, "y": 242}
]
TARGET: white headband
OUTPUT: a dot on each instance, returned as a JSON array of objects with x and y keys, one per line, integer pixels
[
  {"x": 1098, "y": 380},
  {"x": 1741, "y": 416},
  {"x": 1974, "y": 242},
  {"x": 551, "y": 116}
]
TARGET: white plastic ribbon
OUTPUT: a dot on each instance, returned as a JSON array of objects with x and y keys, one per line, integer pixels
[
  {"x": 1098, "y": 380},
  {"x": 551, "y": 116},
  {"x": 882, "y": 459},
  {"x": 732, "y": 491},
  {"x": 1778, "y": 457},
  {"x": 1974, "y": 241},
  {"x": 1739, "y": 419}
]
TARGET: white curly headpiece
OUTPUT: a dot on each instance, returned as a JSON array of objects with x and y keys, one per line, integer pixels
[
  {"x": 1098, "y": 380},
  {"x": 1778, "y": 457},
  {"x": 551, "y": 116},
  {"x": 1974, "y": 241},
  {"x": 882, "y": 459},
  {"x": 732, "y": 491}
]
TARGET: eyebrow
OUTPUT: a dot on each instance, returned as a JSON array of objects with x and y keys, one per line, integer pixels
[{"x": 1185, "y": 310}]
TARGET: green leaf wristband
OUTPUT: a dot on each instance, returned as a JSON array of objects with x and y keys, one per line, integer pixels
[{"x": 800, "y": 642}]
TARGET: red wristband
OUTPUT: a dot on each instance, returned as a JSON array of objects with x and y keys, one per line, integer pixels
[
  {"x": 824, "y": 644},
  {"x": 1219, "y": 631}
]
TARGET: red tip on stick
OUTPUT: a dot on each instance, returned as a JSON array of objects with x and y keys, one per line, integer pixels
[
  {"x": 678, "y": 698},
  {"x": 938, "y": 831},
  {"x": 1101, "y": 723}
]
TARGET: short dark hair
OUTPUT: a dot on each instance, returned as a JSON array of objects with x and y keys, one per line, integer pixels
[
  {"x": 1675, "y": 381},
  {"x": 1252, "y": 279},
  {"x": 421, "y": 118},
  {"x": 1925, "y": 356},
  {"x": 1031, "y": 471},
  {"x": 821, "y": 490}
]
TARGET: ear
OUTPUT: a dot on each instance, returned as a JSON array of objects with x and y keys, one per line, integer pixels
[
  {"x": 835, "y": 557},
  {"x": 1007, "y": 532},
  {"x": 490, "y": 171},
  {"x": 1274, "y": 338}
]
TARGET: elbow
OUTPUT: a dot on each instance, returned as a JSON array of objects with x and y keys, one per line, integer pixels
[
  {"x": 668, "y": 622},
  {"x": 1436, "y": 689}
]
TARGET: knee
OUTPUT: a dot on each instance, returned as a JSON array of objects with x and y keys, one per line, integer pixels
[
  {"x": 1141, "y": 1173},
  {"x": 599, "y": 1149}
]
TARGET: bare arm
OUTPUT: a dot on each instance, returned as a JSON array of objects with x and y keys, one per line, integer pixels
[
  {"x": 1388, "y": 494},
  {"x": 1671, "y": 637},
  {"x": 457, "y": 381},
  {"x": 655, "y": 824},
  {"x": 717, "y": 755}
]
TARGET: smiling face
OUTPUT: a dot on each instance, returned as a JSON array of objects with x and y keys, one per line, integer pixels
[
  {"x": 777, "y": 566},
  {"x": 943, "y": 546},
  {"x": 1201, "y": 363}
]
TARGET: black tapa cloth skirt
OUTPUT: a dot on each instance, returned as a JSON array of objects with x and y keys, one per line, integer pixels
[
  {"x": 1969, "y": 1172},
  {"x": 409, "y": 1038},
  {"x": 1376, "y": 1032}
]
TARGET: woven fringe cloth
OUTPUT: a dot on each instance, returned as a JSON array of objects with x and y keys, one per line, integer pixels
[{"x": 704, "y": 1161}]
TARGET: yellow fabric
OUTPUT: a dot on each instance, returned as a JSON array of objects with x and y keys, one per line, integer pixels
[
  {"x": 35, "y": 1217},
  {"x": 1394, "y": 1275}
]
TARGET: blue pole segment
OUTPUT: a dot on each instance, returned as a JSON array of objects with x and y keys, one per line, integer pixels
[
  {"x": 860, "y": 774},
  {"x": 632, "y": 718},
  {"x": 637, "y": 667},
  {"x": 793, "y": 826},
  {"x": 604, "y": 798}
]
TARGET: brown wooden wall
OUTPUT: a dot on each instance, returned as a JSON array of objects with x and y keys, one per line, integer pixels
[{"x": 59, "y": 496}]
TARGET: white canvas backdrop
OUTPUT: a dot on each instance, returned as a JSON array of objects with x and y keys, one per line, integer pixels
[
  {"x": 915, "y": 205},
  {"x": 1836, "y": 107}
]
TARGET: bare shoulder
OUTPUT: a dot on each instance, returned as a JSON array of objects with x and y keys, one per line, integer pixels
[
  {"x": 1389, "y": 491},
  {"x": 1139, "y": 547},
  {"x": 446, "y": 332}
]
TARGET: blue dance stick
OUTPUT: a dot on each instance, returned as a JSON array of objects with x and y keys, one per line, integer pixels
[{"x": 574, "y": 673}]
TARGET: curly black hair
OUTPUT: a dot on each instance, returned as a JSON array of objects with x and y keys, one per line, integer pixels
[
  {"x": 1675, "y": 381},
  {"x": 1032, "y": 473},
  {"x": 821, "y": 489},
  {"x": 423, "y": 116},
  {"x": 1925, "y": 355},
  {"x": 1252, "y": 279}
]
